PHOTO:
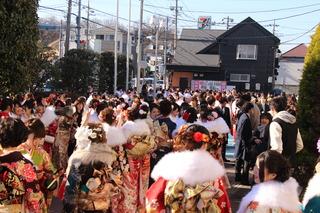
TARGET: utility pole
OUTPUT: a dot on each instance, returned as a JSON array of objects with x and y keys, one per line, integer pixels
[
  {"x": 176, "y": 27},
  {"x": 87, "y": 33},
  {"x": 139, "y": 47},
  {"x": 156, "y": 62},
  {"x": 229, "y": 20},
  {"x": 66, "y": 43},
  {"x": 128, "y": 48},
  {"x": 60, "y": 40},
  {"x": 116, "y": 52},
  {"x": 78, "y": 24},
  {"x": 274, "y": 27},
  {"x": 165, "y": 54}
]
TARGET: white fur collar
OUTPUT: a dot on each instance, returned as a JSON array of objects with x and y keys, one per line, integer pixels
[
  {"x": 115, "y": 135},
  {"x": 218, "y": 125},
  {"x": 273, "y": 194},
  {"x": 193, "y": 167},
  {"x": 136, "y": 128},
  {"x": 312, "y": 189},
  {"x": 95, "y": 152}
]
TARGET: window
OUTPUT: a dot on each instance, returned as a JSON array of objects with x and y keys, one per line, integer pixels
[
  {"x": 111, "y": 37},
  {"x": 240, "y": 77},
  {"x": 247, "y": 52},
  {"x": 100, "y": 37}
]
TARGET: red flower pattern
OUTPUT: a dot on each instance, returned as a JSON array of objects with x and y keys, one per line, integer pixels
[{"x": 29, "y": 173}]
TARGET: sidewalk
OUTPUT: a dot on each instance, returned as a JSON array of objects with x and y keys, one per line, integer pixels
[{"x": 237, "y": 191}]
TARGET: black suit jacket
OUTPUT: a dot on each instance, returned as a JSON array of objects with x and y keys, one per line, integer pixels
[
  {"x": 226, "y": 116},
  {"x": 265, "y": 109}
]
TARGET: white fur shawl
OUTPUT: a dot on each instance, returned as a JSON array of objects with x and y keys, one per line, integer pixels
[
  {"x": 193, "y": 167},
  {"x": 48, "y": 116},
  {"x": 312, "y": 189},
  {"x": 95, "y": 152},
  {"x": 115, "y": 135},
  {"x": 218, "y": 125},
  {"x": 273, "y": 194},
  {"x": 136, "y": 128}
]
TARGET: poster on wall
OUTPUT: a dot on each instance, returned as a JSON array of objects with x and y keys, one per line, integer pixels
[{"x": 208, "y": 85}]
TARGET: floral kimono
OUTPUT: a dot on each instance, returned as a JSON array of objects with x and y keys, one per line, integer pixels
[
  {"x": 272, "y": 197},
  {"x": 185, "y": 183},
  {"x": 60, "y": 149},
  {"x": 140, "y": 143},
  {"x": 44, "y": 168},
  {"x": 19, "y": 187},
  {"x": 91, "y": 182}
]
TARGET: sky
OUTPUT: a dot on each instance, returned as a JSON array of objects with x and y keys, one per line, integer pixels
[{"x": 295, "y": 19}]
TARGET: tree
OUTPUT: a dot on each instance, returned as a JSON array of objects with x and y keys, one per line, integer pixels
[
  {"x": 18, "y": 44},
  {"x": 106, "y": 72},
  {"x": 78, "y": 70},
  {"x": 46, "y": 69},
  {"x": 309, "y": 112},
  {"x": 309, "y": 93}
]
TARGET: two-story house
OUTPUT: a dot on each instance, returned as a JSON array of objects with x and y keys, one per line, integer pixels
[
  {"x": 242, "y": 57},
  {"x": 104, "y": 40},
  {"x": 291, "y": 68}
]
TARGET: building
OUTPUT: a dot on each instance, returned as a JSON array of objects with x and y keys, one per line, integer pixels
[
  {"x": 291, "y": 68},
  {"x": 104, "y": 40},
  {"x": 242, "y": 57}
]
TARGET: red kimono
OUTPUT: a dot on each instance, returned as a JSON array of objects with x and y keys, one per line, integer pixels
[{"x": 187, "y": 181}]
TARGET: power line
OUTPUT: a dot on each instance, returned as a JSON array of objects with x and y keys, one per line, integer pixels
[
  {"x": 240, "y": 12},
  {"x": 303, "y": 34},
  {"x": 269, "y": 20}
]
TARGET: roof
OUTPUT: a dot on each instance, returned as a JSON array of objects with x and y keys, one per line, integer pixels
[
  {"x": 299, "y": 51},
  {"x": 191, "y": 42},
  {"x": 248, "y": 20}
]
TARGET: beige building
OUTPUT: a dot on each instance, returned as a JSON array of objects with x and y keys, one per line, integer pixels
[{"x": 104, "y": 40}]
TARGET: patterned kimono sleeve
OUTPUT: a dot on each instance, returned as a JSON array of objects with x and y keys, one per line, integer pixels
[
  {"x": 48, "y": 165},
  {"x": 155, "y": 197},
  {"x": 34, "y": 198}
]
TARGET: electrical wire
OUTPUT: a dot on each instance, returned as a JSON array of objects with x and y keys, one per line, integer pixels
[
  {"x": 303, "y": 34},
  {"x": 241, "y": 12}
]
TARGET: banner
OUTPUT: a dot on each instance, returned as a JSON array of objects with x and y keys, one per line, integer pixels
[{"x": 208, "y": 85}]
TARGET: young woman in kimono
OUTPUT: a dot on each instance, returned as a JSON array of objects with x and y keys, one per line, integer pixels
[
  {"x": 311, "y": 199},
  {"x": 91, "y": 178},
  {"x": 19, "y": 186},
  {"x": 46, "y": 172},
  {"x": 276, "y": 192},
  {"x": 184, "y": 179},
  {"x": 140, "y": 143}
]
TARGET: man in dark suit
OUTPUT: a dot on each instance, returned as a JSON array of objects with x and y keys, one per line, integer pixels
[
  {"x": 263, "y": 106},
  {"x": 226, "y": 115}
]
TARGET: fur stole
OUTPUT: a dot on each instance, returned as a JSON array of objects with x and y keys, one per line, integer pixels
[
  {"x": 273, "y": 194},
  {"x": 218, "y": 125},
  {"x": 95, "y": 152},
  {"x": 312, "y": 189},
  {"x": 48, "y": 116},
  {"x": 136, "y": 128},
  {"x": 193, "y": 167},
  {"x": 114, "y": 135}
]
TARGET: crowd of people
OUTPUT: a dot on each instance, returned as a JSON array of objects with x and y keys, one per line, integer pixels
[{"x": 150, "y": 153}]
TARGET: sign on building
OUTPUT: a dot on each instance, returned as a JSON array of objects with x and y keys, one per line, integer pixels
[
  {"x": 204, "y": 22},
  {"x": 208, "y": 85}
]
